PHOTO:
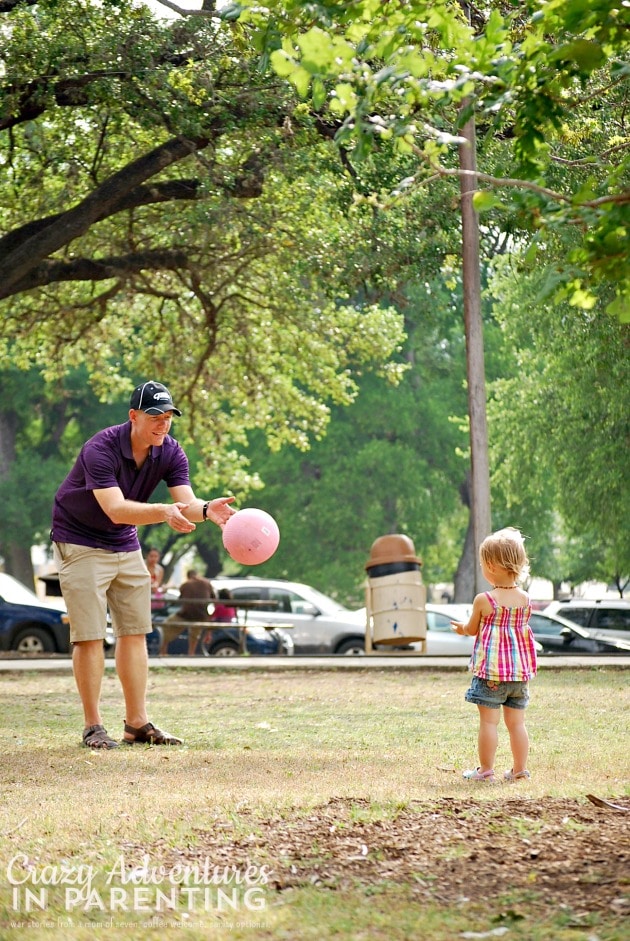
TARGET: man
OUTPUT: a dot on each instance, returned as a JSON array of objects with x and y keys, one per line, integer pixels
[
  {"x": 96, "y": 511},
  {"x": 196, "y": 593}
]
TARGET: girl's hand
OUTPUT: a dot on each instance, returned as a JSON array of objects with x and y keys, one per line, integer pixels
[{"x": 458, "y": 627}]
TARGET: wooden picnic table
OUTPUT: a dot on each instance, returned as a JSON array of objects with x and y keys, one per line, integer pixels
[{"x": 245, "y": 605}]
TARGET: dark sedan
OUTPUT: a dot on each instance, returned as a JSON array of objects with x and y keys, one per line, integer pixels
[
  {"x": 557, "y": 635},
  {"x": 29, "y": 625}
]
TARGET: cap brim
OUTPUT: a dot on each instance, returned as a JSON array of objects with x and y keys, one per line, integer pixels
[{"x": 156, "y": 410}]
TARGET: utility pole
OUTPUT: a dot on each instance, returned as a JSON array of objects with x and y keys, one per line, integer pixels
[{"x": 475, "y": 365}]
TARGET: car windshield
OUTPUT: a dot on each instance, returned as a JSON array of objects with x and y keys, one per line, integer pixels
[
  {"x": 285, "y": 598},
  {"x": 15, "y": 592},
  {"x": 324, "y": 601}
]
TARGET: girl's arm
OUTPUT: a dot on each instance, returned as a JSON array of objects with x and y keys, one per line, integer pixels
[{"x": 481, "y": 607}]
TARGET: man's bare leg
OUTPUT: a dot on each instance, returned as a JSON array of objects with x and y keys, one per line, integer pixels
[
  {"x": 88, "y": 664},
  {"x": 132, "y": 664}
]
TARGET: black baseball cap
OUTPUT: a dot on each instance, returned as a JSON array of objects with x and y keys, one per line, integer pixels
[{"x": 152, "y": 398}]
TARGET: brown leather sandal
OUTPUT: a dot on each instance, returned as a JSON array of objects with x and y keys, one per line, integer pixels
[
  {"x": 96, "y": 737},
  {"x": 149, "y": 735}
]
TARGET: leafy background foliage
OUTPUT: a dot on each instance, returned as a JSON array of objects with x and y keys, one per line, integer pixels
[{"x": 282, "y": 247}]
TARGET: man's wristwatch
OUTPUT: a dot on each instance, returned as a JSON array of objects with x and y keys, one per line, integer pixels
[{"x": 205, "y": 511}]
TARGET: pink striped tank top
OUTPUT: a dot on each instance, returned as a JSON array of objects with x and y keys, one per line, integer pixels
[{"x": 504, "y": 647}]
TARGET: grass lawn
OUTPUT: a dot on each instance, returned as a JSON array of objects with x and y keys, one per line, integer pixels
[{"x": 313, "y": 805}]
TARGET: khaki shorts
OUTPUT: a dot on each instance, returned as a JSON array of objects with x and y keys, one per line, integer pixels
[{"x": 93, "y": 580}]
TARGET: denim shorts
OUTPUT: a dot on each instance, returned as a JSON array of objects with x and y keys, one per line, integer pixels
[{"x": 493, "y": 693}]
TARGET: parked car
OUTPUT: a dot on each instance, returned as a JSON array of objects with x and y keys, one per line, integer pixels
[
  {"x": 218, "y": 642},
  {"x": 226, "y": 642},
  {"x": 605, "y": 618},
  {"x": 322, "y": 626},
  {"x": 53, "y": 591},
  {"x": 28, "y": 624},
  {"x": 317, "y": 624},
  {"x": 441, "y": 639},
  {"x": 559, "y": 635}
]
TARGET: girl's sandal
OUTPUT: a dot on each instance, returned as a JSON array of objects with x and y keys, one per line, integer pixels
[
  {"x": 96, "y": 737},
  {"x": 520, "y": 775},
  {"x": 477, "y": 775},
  {"x": 149, "y": 735}
]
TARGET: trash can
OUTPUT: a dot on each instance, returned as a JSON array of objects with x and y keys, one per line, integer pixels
[{"x": 395, "y": 595}]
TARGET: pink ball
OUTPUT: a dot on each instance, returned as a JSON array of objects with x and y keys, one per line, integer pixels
[{"x": 251, "y": 536}]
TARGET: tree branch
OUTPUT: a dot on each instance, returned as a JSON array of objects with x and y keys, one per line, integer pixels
[
  {"x": 617, "y": 199},
  {"x": 16, "y": 265},
  {"x": 151, "y": 194},
  {"x": 207, "y": 9},
  {"x": 32, "y": 97},
  {"x": 90, "y": 269},
  {"x": 7, "y": 5}
]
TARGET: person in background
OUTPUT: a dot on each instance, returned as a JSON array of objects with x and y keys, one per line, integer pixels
[
  {"x": 223, "y": 611},
  {"x": 96, "y": 512},
  {"x": 196, "y": 593},
  {"x": 504, "y": 653},
  {"x": 152, "y": 562}
]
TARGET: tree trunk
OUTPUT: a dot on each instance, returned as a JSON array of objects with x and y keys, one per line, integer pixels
[
  {"x": 210, "y": 557},
  {"x": 18, "y": 563},
  {"x": 16, "y": 558},
  {"x": 464, "y": 581}
]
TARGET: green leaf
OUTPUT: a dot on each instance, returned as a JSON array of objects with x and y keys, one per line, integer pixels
[
  {"x": 302, "y": 81},
  {"x": 483, "y": 200},
  {"x": 532, "y": 253},
  {"x": 583, "y": 299},
  {"x": 495, "y": 28},
  {"x": 620, "y": 307},
  {"x": 588, "y": 56},
  {"x": 282, "y": 64},
  {"x": 344, "y": 98},
  {"x": 319, "y": 93},
  {"x": 317, "y": 50}
]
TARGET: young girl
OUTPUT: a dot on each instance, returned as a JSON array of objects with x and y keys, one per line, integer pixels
[{"x": 504, "y": 653}]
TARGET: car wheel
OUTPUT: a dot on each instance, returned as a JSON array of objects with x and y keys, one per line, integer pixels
[
  {"x": 224, "y": 649},
  {"x": 352, "y": 648},
  {"x": 33, "y": 640}
]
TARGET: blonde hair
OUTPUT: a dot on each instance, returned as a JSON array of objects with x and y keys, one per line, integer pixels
[{"x": 506, "y": 548}]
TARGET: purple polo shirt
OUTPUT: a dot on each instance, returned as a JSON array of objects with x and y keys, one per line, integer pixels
[{"x": 106, "y": 460}]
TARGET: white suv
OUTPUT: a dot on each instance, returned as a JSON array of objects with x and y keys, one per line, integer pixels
[{"x": 603, "y": 618}]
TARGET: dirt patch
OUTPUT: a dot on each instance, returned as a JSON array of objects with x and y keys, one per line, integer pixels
[{"x": 551, "y": 852}]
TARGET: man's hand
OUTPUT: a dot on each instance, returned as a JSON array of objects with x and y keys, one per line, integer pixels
[
  {"x": 176, "y": 520},
  {"x": 219, "y": 510}
]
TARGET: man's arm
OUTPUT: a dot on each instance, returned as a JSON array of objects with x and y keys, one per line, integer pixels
[{"x": 133, "y": 513}]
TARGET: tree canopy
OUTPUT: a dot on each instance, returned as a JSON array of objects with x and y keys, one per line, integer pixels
[
  {"x": 160, "y": 215},
  {"x": 562, "y": 430},
  {"x": 262, "y": 240},
  {"x": 539, "y": 75}
]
